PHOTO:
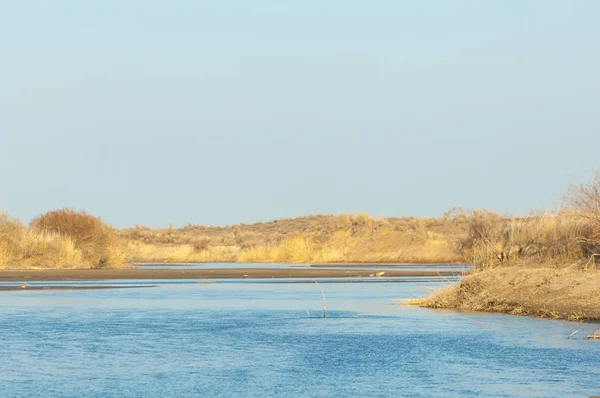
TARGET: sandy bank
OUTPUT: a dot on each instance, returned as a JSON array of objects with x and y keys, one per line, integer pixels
[
  {"x": 568, "y": 293},
  {"x": 238, "y": 273}
]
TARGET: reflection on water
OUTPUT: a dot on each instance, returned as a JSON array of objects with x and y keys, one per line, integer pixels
[
  {"x": 153, "y": 282},
  {"x": 186, "y": 338}
]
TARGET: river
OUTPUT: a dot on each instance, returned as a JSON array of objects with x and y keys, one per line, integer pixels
[{"x": 264, "y": 338}]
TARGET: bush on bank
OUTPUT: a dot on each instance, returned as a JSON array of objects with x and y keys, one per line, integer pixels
[
  {"x": 99, "y": 244},
  {"x": 59, "y": 239}
]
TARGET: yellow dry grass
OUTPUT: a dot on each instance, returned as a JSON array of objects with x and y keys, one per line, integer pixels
[
  {"x": 97, "y": 241},
  {"x": 484, "y": 239},
  {"x": 143, "y": 252},
  {"x": 569, "y": 292},
  {"x": 293, "y": 249},
  {"x": 43, "y": 247},
  {"x": 549, "y": 238},
  {"x": 341, "y": 238},
  {"x": 21, "y": 247},
  {"x": 544, "y": 265}
]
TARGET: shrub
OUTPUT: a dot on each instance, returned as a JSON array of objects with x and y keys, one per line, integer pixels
[
  {"x": 27, "y": 248},
  {"x": 201, "y": 244},
  {"x": 98, "y": 242},
  {"x": 584, "y": 200}
]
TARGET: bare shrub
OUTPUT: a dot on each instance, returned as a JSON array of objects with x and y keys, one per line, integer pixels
[
  {"x": 21, "y": 247},
  {"x": 98, "y": 242},
  {"x": 201, "y": 244},
  {"x": 584, "y": 200}
]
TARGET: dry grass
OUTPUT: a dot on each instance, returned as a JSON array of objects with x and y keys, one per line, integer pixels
[
  {"x": 143, "y": 252},
  {"x": 324, "y": 238},
  {"x": 99, "y": 243},
  {"x": 487, "y": 240},
  {"x": 22, "y": 247},
  {"x": 584, "y": 201},
  {"x": 543, "y": 265},
  {"x": 59, "y": 239},
  {"x": 555, "y": 239},
  {"x": 482, "y": 238},
  {"x": 568, "y": 293},
  {"x": 66, "y": 238},
  {"x": 547, "y": 239}
]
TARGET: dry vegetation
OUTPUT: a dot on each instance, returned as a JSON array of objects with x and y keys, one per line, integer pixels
[
  {"x": 322, "y": 238},
  {"x": 567, "y": 292},
  {"x": 545, "y": 265},
  {"x": 59, "y": 239},
  {"x": 542, "y": 264},
  {"x": 22, "y": 247},
  {"x": 70, "y": 239}
]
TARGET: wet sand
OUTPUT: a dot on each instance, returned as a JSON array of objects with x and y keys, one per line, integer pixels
[{"x": 234, "y": 273}]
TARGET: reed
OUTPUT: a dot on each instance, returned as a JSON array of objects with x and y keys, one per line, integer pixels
[{"x": 324, "y": 300}]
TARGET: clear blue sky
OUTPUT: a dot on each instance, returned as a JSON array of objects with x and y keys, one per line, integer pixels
[{"x": 218, "y": 112}]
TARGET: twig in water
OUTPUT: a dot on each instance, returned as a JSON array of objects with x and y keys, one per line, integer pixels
[
  {"x": 572, "y": 334},
  {"x": 324, "y": 301}
]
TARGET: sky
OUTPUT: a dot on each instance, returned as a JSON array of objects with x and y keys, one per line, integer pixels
[{"x": 151, "y": 112}]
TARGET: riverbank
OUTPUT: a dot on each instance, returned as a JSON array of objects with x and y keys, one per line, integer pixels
[
  {"x": 208, "y": 273},
  {"x": 558, "y": 293},
  {"x": 391, "y": 264}
]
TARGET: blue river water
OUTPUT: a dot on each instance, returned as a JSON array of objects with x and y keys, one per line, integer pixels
[{"x": 235, "y": 338}]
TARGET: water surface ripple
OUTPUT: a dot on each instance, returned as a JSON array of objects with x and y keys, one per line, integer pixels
[{"x": 256, "y": 339}]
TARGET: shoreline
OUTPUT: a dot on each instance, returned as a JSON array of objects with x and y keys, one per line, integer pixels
[
  {"x": 208, "y": 273},
  {"x": 554, "y": 293},
  {"x": 390, "y": 264}
]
